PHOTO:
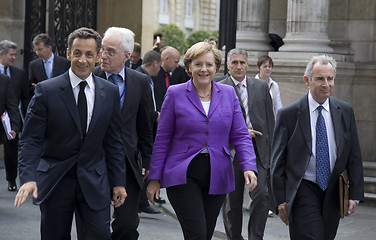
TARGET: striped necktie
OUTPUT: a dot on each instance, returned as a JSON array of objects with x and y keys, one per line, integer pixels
[{"x": 244, "y": 99}]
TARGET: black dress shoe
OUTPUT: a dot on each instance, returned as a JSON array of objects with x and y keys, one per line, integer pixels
[
  {"x": 150, "y": 210},
  {"x": 12, "y": 186},
  {"x": 159, "y": 200}
]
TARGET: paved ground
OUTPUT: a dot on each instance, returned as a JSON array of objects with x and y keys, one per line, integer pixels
[{"x": 23, "y": 223}]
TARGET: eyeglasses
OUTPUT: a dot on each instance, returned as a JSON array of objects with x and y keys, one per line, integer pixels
[{"x": 110, "y": 52}]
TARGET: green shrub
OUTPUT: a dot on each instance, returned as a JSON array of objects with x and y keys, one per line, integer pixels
[{"x": 173, "y": 36}]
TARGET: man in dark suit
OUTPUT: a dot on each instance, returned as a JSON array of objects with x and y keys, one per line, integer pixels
[
  {"x": 315, "y": 140},
  {"x": 20, "y": 89},
  {"x": 135, "y": 59},
  {"x": 134, "y": 92},
  {"x": 48, "y": 64},
  {"x": 71, "y": 151},
  {"x": 150, "y": 66},
  {"x": 170, "y": 61},
  {"x": 257, "y": 107},
  {"x": 8, "y": 103}
]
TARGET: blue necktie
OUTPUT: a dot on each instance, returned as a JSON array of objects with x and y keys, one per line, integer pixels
[
  {"x": 322, "y": 152},
  {"x": 115, "y": 79},
  {"x": 47, "y": 68}
]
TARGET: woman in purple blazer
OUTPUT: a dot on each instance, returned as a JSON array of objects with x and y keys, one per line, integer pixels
[{"x": 191, "y": 155}]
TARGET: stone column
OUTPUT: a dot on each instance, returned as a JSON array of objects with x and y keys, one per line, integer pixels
[
  {"x": 253, "y": 27},
  {"x": 307, "y": 23}
]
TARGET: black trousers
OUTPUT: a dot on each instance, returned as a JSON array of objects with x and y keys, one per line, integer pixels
[
  {"x": 196, "y": 210},
  {"x": 126, "y": 220},
  {"x": 308, "y": 221},
  {"x": 57, "y": 214},
  {"x": 11, "y": 159}
]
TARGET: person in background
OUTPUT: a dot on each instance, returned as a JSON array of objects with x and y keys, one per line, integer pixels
[
  {"x": 135, "y": 59},
  {"x": 134, "y": 92},
  {"x": 257, "y": 108},
  {"x": 191, "y": 155},
  {"x": 170, "y": 61},
  {"x": 71, "y": 155},
  {"x": 265, "y": 67},
  {"x": 47, "y": 65},
  {"x": 150, "y": 66},
  {"x": 158, "y": 42},
  {"x": 315, "y": 140},
  {"x": 20, "y": 87}
]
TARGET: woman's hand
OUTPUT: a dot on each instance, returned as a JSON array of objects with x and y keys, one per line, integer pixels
[
  {"x": 153, "y": 190},
  {"x": 251, "y": 179}
]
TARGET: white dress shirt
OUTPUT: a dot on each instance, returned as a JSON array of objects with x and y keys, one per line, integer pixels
[
  {"x": 89, "y": 92},
  {"x": 310, "y": 173}
]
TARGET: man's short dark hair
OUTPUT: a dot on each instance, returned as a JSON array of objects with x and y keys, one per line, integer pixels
[
  {"x": 42, "y": 38},
  {"x": 150, "y": 57},
  {"x": 85, "y": 33}
]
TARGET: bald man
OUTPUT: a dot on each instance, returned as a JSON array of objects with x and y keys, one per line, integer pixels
[{"x": 170, "y": 61}]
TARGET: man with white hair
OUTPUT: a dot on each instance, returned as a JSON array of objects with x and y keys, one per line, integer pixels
[{"x": 134, "y": 91}]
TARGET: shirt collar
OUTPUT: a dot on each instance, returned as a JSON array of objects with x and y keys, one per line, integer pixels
[
  {"x": 50, "y": 60},
  {"x": 74, "y": 80},
  {"x": 313, "y": 104},
  {"x": 236, "y": 81},
  {"x": 121, "y": 73}
]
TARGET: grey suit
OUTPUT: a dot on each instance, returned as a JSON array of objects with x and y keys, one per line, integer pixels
[
  {"x": 291, "y": 153},
  {"x": 262, "y": 119}
]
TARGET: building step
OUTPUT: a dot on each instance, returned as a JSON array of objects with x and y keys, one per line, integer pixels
[{"x": 369, "y": 169}]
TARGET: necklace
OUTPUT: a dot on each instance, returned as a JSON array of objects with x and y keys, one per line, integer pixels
[{"x": 207, "y": 95}]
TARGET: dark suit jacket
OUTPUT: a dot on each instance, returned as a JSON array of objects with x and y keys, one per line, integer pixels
[
  {"x": 20, "y": 86},
  {"x": 52, "y": 141},
  {"x": 134, "y": 66},
  {"x": 153, "y": 114},
  {"x": 136, "y": 130},
  {"x": 37, "y": 73},
  {"x": 292, "y": 149},
  {"x": 160, "y": 89},
  {"x": 8, "y": 102},
  {"x": 260, "y": 108}
]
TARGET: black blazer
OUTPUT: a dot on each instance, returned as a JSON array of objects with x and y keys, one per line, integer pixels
[
  {"x": 52, "y": 141},
  {"x": 8, "y": 102},
  {"x": 136, "y": 130},
  {"x": 292, "y": 149},
  {"x": 134, "y": 66},
  {"x": 20, "y": 85},
  {"x": 37, "y": 72}
]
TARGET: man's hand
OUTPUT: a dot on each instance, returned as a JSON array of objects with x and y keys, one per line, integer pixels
[
  {"x": 153, "y": 190},
  {"x": 145, "y": 173},
  {"x": 352, "y": 206},
  {"x": 251, "y": 179},
  {"x": 282, "y": 209},
  {"x": 119, "y": 194},
  {"x": 158, "y": 116},
  {"x": 24, "y": 191},
  {"x": 13, "y": 133},
  {"x": 253, "y": 133}
]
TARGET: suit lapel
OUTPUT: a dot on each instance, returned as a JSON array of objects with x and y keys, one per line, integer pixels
[
  {"x": 216, "y": 98},
  {"x": 336, "y": 114},
  {"x": 68, "y": 98},
  {"x": 98, "y": 103},
  {"x": 193, "y": 97},
  {"x": 231, "y": 83},
  {"x": 304, "y": 122},
  {"x": 251, "y": 93},
  {"x": 43, "y": 72}
]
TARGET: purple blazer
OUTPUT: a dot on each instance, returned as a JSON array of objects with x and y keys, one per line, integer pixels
[{"x": 184, "y": 130}]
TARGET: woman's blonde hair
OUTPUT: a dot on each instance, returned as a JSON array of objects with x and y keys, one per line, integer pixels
[{"x": 197, "y": 50}]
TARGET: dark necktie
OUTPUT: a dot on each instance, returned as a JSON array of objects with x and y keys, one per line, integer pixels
[
  {"x": 322, "y": 152},
  {"x": 82, "y": 107},
  {"x": 6, "y": 71}
]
